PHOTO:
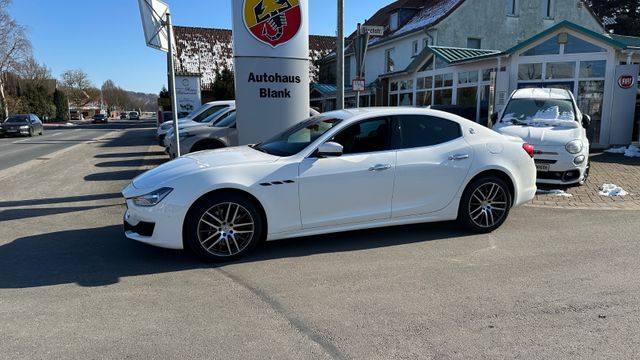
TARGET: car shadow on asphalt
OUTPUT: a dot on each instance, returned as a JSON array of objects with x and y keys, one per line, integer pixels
[
  {"x": 129, "y": 154},
  {"x": 131, "y": 163},
  {"x": 114, "y": 175},
  {"x": 60, "y": 200},
  {"x": 21, "y": 214},
  {"x": 101, "y": 256}
]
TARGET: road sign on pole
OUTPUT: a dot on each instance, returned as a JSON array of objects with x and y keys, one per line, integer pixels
[
  {"x": 358, "y": 85},
  {"x": 372, "y": 30},
  {"x": 158, "y": 33}
]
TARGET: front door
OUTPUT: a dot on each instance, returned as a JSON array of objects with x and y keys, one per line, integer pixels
[{"x": 352, "y": 188}]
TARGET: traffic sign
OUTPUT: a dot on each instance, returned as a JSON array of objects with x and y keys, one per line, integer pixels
[
  {"x": 153, "y": 13},
  {"x": 358, "y": 85},
  {"x": 372, "y": 30}
]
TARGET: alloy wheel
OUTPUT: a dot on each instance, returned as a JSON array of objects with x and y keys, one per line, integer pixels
[
  {"x": 488, "y": 204},
  {"x": 226, "y": 229}
]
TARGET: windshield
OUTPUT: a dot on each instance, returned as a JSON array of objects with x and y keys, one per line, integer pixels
[
  {"x": 17, "y": 119},
  {"x": 228, "y": 121},
  {"x": 298, "y": 137},
  {"x": 531, "y": 111}
]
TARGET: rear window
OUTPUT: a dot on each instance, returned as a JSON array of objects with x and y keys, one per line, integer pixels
[{"x": 423, "y": 130}]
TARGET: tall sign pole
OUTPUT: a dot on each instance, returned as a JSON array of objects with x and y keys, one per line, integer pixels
[
  {"x": 158, "y": 33},
  {"x": 271, "y": 63},
  {"x": 340, "y": 57},
  {"x": 172, "y": 83}
]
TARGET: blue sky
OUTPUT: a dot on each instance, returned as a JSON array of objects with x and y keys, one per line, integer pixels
[{"x": 105, "y": 39}]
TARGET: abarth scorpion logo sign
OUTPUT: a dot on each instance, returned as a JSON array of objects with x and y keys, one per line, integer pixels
[{"x": 273, "y": 22}]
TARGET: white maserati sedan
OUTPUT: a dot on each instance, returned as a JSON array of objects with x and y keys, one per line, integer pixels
[{"x": 339, "y": 171}]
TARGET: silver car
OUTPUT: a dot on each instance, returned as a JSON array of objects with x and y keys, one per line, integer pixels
[{"x": 220, "y": 134}]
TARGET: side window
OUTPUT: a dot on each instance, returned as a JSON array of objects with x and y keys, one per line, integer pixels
[
  {"x": 423, "y": 130},
  {"x": 205, "y": 114},
  {"x": 367, "y": 136}
]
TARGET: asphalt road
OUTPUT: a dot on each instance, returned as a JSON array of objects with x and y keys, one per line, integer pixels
[
  {"x": 550, "y": 284},
  {"x": 18, "y": 150}
]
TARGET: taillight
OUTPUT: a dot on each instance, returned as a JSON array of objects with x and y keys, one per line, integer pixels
[{"x": 528, "y": 148}]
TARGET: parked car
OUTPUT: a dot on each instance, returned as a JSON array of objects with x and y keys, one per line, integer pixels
[
  {"x": 340, "y": 171},
  {"x": 100, "y": 119},
  {"x": 75, "y": 115},
  {"x": 222, "y": 133},
  {"x": 467, "y": 112},
  {"x": 124, "y": 116},
  {"x": 133, "y": 115},
  {"x": 25, "y": 124},
  {"x": 211, "y": 120},
  {"x": 550, "y": 120},
  {"x": 196, "y": 115}
]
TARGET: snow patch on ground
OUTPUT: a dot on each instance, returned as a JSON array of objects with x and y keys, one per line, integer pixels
[
  {"x": 554, "y": 192},
  {"x": 631, "y": 151},
  {"x": 612, "y": 190}
]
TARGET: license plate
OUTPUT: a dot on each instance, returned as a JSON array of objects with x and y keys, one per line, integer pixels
[
  {"x": 12, "y": 130},
  {"x": 542, "y": 167}
]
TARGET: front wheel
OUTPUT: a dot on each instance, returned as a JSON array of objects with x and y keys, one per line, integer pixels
[
  {"x": 485, "y": 205},
  {"x": 30, "y": 132},
  {"x": 223, "y": 227}
]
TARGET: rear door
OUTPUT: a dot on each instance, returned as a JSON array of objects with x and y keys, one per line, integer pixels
[{"x": 433, "y": 162}]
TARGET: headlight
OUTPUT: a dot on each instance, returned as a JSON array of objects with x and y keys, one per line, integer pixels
[
  {"x": 24, "y": 127},
  {"x": 152, "y": 198},
  {"x": 574, "y": 147}
]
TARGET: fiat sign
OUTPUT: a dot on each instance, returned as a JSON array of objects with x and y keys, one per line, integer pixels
[{"x": 626, "y": 81}]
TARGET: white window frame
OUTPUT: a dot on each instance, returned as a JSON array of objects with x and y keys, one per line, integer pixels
[
  {"x": 415, "y": 48},
  {"x": 549, "y": 9},
  {"x": 386, "y": 60},
  {"x": 393, "y": 21},
  {"x": 474, "y": 38}
]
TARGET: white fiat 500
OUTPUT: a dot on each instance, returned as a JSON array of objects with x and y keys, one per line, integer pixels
[
  {"x": 338, "y": 171},
  {"x": 551, "y": 121}
]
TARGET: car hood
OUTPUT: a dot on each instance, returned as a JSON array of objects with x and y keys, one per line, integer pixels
[
  {"x": 559, "y": 133},
  {"x": 200, "y": 161}
]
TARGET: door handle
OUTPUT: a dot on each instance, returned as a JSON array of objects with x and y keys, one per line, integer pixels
[
  {"x": 380, "y": 167},
  {"x": 458, "y": 157}
]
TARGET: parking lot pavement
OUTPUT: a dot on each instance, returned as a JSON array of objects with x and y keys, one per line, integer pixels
[
  {"x": 550, "y": 284},
  {"x": 605, "y": 169}
]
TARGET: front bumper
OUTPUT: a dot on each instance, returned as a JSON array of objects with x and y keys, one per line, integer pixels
[
  {"x": 559, "y": 166},
  {"x": 159, "y": 226}
]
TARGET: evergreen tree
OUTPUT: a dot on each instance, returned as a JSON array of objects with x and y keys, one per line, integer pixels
[
  {"x": 224, "y": 85},
  {"x": 62, "y": 105},
  {"x": 625, "y": 12}
]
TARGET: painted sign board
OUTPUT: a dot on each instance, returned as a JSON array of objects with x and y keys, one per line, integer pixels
[
  {"x": 188, "y": 94},
  {"x": 624, "y": 105},
  {"x": 271, "y": 63}
]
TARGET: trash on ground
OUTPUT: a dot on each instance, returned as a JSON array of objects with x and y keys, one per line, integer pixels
[
  {"x": 612, "y": 190},
  {"x": 554, "y": 192}
]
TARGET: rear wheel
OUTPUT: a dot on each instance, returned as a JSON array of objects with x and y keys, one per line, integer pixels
[
  {"x": 485, "y": 204},
  {"x": 223, "y": 227}
]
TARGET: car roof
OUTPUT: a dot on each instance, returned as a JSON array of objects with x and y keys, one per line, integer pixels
[{"x": 542, "y": 93}]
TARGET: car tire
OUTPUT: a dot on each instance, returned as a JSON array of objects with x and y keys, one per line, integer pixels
[
  {"x": 485, "y": 204},
  {"x": 223, "y": 227},
  {"x": 586, "y": 174},
  {"x": 30, "y": 132}
]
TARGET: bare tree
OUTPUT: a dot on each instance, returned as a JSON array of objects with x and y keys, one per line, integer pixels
[
  {"x": 15, "y": 48},
  {"x": 78, "y": 87},
  {"x": 114, "y": 96},
  {"x": 32, "y": 70}
]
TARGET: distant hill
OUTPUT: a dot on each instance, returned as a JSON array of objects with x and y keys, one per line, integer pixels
[{"x": 146, "y": 102}]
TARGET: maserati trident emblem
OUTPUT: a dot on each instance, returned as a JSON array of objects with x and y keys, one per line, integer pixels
[{"x": 273, "y": 22}]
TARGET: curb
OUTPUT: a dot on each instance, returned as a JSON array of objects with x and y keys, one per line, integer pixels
[{"x": 15, "y": 170}]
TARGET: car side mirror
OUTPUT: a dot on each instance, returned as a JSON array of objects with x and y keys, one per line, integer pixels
[
  {"x": 330, "y": 149},
  {"x": 586, "y": 121}
]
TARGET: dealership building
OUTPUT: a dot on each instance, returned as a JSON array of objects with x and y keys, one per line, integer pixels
[{"x": 471, "y": 54}]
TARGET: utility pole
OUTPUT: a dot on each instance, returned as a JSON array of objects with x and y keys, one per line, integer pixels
[{"x": 340, "y": 57}]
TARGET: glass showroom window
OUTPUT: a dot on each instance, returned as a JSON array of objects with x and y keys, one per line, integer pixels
[
  {"x": 549, "y": 47},
  {"x": 528, "y": 72},
  {"x": 424, "y": 91},
  {"x": 467, "y": 93},
  {"x": 443, "y": 89},
  {"x": 393, "y": 93},
  {"x": 560, "y": 70},
  {"x": 591, "y": 94},
  {"x": 406, "y": 93}
]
